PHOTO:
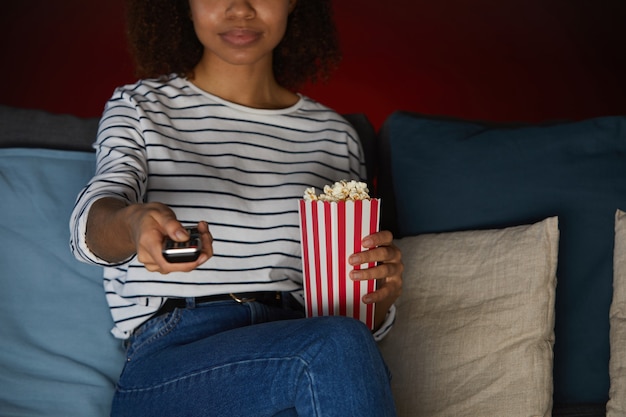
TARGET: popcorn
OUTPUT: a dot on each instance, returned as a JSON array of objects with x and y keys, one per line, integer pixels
[
  {"x": 340, "y": 191},
  {"x": 332, "y": 227}
]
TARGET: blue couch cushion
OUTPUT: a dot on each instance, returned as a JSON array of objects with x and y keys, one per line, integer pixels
[
  {"x": 460, "y": 175},
  {"x": 57, "y": 356}
]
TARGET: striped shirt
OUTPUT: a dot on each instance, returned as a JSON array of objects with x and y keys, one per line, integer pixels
[{"x": 240, "y": 169}]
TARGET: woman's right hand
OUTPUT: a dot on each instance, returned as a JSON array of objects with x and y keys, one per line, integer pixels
[
  {"x": 153, "y": 231},
  {"x": 116, "y": 231}
]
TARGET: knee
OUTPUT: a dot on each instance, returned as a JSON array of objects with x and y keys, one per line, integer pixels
[
  {"x": 345, "y": 332},
  {"x": 347, "y": 344}
]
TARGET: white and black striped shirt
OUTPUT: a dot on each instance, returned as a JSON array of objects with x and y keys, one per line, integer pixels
[{"x": 240, "y": 169}]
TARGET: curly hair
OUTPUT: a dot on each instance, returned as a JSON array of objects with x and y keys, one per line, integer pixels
[{"x": 162, "y": 41}]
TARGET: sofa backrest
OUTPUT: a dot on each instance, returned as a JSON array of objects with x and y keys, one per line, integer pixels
[{"x": 442, "y": 175}]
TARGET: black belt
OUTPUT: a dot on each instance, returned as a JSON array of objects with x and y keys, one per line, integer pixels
[{"x": 271, "y": 298}]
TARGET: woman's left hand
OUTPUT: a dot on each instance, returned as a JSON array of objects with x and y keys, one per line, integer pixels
[{"x": 388, "y": 271}]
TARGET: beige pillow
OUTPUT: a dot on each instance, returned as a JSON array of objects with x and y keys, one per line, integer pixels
[
  {"x": 474, "y": 328},
  {"x": 617, "y": 318}
]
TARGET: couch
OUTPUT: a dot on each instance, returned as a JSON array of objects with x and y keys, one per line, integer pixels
[{"x": 513, "y": 304}]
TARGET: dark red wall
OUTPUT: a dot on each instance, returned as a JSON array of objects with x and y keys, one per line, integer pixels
[{"x": 504, "y": 60}]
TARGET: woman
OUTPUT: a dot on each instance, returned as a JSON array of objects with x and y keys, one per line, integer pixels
[{"x": 214, "y": 135}]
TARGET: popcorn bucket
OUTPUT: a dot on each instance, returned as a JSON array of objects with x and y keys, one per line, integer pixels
[{"x": 330, "y": 232}]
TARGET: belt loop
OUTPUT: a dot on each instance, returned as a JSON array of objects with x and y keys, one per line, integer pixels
[{"x": 190, "y": 302}]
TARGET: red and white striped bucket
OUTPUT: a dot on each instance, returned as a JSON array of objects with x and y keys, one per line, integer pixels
[{"x": 330, "y": 232}]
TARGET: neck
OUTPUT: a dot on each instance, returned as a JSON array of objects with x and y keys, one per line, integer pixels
[{"x": 245, "y": 85}]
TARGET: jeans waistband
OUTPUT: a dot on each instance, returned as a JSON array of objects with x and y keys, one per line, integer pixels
[{"x": 271, "y": 298}]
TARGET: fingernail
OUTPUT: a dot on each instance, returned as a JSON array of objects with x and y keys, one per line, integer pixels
[
  {"x": 182, "y": 235},
  {"x": 355, "y": 260}
]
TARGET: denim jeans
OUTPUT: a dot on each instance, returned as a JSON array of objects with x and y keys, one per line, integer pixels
[{"x": 228, "y": 359}]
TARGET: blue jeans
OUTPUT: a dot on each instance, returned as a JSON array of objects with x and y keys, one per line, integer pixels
[{"x": 228, "y": 359}]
